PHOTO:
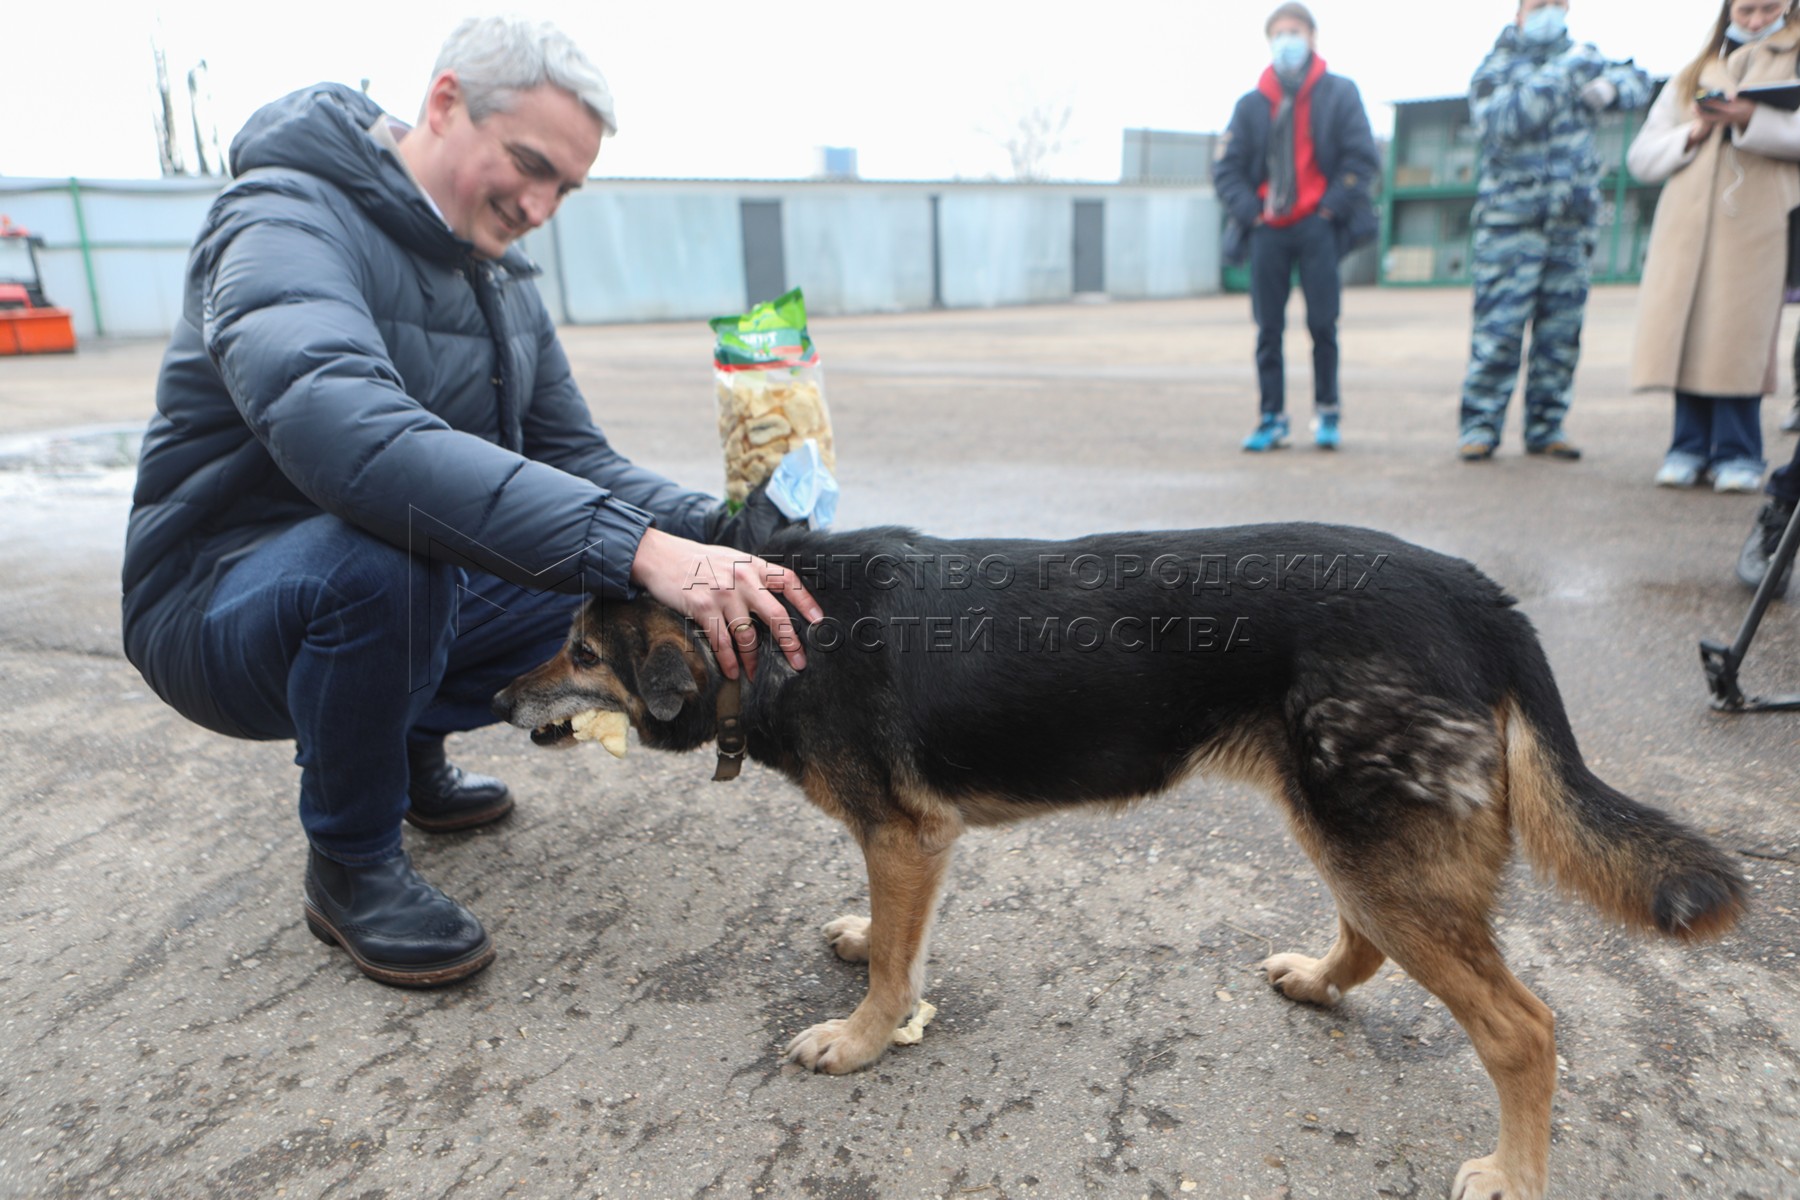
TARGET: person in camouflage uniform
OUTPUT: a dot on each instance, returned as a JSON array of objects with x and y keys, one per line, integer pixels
[{"x": 1535, "y": 100}]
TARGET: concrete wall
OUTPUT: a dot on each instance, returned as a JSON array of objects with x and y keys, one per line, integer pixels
[{"x": 649, "y": 250}]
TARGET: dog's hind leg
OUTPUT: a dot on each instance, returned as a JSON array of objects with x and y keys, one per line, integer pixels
[
  {"x": 1422, "y": 893},
  {"x": 1513, "y": 1033},
  {"x": 1350, "y": 961},
  {"x": 906, "y": 860},
  {"x": 1400, "y": 794}
]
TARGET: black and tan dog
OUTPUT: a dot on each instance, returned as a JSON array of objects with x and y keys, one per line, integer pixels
[{"x": 1392, "y": 700}]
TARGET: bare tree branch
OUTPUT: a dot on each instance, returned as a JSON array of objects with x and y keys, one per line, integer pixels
[{"x": 1035, "y": 138}]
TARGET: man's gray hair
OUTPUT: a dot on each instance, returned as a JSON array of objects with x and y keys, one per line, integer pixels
[{"x": 496, "y": 57}]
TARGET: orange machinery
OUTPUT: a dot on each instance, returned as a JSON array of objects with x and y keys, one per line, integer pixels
[{"x": 28, "y": 322}]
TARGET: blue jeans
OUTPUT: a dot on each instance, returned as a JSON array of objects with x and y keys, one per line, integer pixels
[
  {"x": 350, "y": 646},
  {"x": 1274, "y": 252},
  {"x": 1717, "y": 431}
]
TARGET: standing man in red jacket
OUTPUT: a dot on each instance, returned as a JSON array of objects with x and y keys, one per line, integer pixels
[{"x": 1295, "y": 174}]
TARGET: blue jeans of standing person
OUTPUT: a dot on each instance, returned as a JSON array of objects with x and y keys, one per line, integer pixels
[
  {"x": 332, "y": 637},
  {"x": 1311, "y": 245},
  {"x": 1716, "y": 432}
]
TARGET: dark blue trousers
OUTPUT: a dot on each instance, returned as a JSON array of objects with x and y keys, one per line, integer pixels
[
  {"x": 1310, "y": 245},
  {"x": 1717, "y": 431},
  {"x": 351, "y": 646},
  {"x": 1784, "y": 483}
]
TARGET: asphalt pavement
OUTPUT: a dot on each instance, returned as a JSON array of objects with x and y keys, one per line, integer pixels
[{"x": 168, "y": 1027}]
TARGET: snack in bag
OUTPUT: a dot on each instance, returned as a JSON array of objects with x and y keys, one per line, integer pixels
[{"x": 771, "y": 396}]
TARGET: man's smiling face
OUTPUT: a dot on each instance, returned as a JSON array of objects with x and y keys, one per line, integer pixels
[{"x": 506, "y": 174}]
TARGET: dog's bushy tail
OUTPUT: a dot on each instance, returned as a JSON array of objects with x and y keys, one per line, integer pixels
[{"x": 1635, "y": 864}]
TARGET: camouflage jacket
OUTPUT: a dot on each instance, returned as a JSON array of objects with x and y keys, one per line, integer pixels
[{"x": 1537, "y": 134}]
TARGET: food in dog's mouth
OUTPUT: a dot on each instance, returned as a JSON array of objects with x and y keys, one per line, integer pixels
[
  {"x": 603, "y": 726},
  {"x": 592, "y": 725}
]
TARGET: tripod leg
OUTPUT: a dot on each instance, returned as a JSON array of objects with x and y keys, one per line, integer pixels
[{"x": 1721, "y": 663}]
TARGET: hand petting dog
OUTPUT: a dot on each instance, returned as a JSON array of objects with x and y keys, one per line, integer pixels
[{"x": 720, "y": 590}]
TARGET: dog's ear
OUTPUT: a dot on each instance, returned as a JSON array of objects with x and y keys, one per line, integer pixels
[{"x": 665, "y": 682}]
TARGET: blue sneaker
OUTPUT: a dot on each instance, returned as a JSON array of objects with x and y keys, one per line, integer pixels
[
  {"x": 1325, "y": 431},
  {"x": 1271, "y": 433}
]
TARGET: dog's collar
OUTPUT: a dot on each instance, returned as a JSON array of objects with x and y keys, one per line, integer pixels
[{"x": 731, "y": 732}]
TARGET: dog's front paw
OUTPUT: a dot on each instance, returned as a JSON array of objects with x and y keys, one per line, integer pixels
[
  {"x": 834, "y": 1048},
  {"x": 1482, "y": 1179},
  {"x": 848, "y": 938},
  {"x": 1301, "y": 978}
]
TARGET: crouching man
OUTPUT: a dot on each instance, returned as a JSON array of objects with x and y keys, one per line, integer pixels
[{"x": 366, "y": 429}]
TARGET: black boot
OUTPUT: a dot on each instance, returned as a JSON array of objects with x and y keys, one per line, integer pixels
[
  {"x": 443, "y": 798},
  {"x": 1759, "y": 547},
  {"x": 399, "y": 929}
]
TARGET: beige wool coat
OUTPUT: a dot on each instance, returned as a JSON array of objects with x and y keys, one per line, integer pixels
[{"x": 1709, "y": 304}]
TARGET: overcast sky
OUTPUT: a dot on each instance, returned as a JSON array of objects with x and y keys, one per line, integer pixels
[{"x": 925, "y": 90}]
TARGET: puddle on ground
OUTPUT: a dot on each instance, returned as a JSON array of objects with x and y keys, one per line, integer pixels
[
  {"x": 68, "y": 490},
  {"x": 71, "y": 454}
]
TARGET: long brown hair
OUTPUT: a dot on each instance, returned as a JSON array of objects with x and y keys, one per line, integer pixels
[{"x": 1688, "y": 82}]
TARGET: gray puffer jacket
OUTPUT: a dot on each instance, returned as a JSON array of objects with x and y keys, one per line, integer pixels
[{"x": 341, "y": 351}]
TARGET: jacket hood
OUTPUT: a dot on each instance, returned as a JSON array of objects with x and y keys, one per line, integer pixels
[{"x": 324, "y": 131}]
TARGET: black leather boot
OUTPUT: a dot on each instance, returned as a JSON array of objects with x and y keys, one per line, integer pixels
[
  {"x": 444, "y": 798},
  {"x": 399, "y": 929}
]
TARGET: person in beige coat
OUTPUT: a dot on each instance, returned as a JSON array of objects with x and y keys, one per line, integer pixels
[{"x": 1709, "y": 305}]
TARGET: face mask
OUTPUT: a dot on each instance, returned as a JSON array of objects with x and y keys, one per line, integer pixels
[
  {"x": 1290, "y": 52},
  {"x": 1744, "y": 37},
  {"x": 1545, "y": 25}
]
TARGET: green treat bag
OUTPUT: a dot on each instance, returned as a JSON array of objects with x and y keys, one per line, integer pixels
[{"x": 771, "y": 391}]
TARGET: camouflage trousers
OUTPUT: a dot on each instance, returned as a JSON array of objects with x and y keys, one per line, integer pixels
[{"x": 1525, "y": 275}]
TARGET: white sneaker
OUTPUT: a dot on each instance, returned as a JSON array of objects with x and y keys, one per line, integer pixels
[
  {"x": 1677, "y": 475},
  {"x": 1737, "y": 479}
]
